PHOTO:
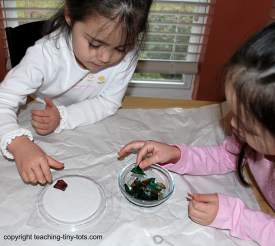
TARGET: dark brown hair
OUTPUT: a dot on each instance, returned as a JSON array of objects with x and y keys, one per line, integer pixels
[
  {"x": 131, "y": 14},
  {"x": 255, "y": 83}
]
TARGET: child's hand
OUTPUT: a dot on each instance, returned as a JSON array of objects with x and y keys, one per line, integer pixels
[
  {"x": 32, "y": 163},
  {"x": 203, "y": 208},
  {"x": 45, "y": 121},
  {"x": 151, "y": 152}
]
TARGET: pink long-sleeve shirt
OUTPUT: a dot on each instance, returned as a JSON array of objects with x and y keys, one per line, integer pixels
[{"x": 233, "y": 215}]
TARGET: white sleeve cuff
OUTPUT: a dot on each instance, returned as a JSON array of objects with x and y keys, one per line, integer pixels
[
  {"x": 7, "y": 139},
  {"x": 63, "y": 119}
]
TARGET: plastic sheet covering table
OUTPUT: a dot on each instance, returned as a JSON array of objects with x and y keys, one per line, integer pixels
[{"x": 91, "y": 150}]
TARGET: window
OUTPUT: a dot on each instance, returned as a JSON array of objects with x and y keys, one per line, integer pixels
[{"x": 169, "y": 59}]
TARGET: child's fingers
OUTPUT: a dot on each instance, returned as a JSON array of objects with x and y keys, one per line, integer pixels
[
  {"x": 128, "y": 148},
  {"x": 189, "y": 196},
  {"x": 207, "y": 198},
  {"x": 197, "y": 220},
  {"x": 32, "y": 177},
  {"x": 39, "y": 174},
  {"x": 54, "y": 163},
  {"x": 40, "y": 112},
  {"x": 42, "y": 131},
  {"x": 40, "y": 126},
  {"x": 46, "y": 172},
  {"x": 203, "y": 216},
  {"x": 194, "y": 212},
  {"x": 49, "y": 102},
  {"x": 148, "y": 162},
  {"x": 25, "y": 177},
  {"x": 41, "y": 119},
  {"x": 144, "y": 152},
  {"x": 206, "y": 209},
  {"x": 198, "y": 206}
]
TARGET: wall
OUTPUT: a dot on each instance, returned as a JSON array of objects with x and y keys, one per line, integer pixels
[{"x": 230, "y": 24}]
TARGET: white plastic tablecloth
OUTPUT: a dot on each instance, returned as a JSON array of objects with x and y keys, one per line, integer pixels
[{"x": 91, "y": 150}]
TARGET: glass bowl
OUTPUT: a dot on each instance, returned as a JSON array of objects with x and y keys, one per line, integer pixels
[{"x": 155, "y": 171}]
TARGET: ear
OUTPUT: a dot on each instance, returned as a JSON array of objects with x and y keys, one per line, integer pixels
[{"x": 67, "y": 16}]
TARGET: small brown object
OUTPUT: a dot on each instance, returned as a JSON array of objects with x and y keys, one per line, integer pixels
[{"x": 60, "y": 185}]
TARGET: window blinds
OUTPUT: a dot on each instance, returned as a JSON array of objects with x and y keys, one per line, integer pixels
[{"x": 174, "y": 41}]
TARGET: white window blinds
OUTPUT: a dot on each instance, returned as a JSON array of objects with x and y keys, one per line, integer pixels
[{"x": 173, "y": 44}]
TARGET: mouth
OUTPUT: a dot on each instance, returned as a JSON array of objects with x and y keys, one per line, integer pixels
[
  {"x": 90, "y": 64},
  {"x": 96, "y": 65}
]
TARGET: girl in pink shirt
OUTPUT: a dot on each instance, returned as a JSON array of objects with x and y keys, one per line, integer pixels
[{"x": 250, "y": 93}]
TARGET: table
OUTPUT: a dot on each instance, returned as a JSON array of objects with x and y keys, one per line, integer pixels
[
  {"x": 141, "y": 102},
  {"x": 91, "y": 150}
]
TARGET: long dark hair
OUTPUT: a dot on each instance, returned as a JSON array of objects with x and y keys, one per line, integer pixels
[
  {"x": 132, "y": 15},
  {"x": 254, "y": 84}
]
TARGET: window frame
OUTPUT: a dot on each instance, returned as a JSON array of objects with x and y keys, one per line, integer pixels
[{"x": 188, "y": 69}]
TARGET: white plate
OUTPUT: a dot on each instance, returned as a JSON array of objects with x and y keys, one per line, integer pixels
[{"x": 81, "y": 202}]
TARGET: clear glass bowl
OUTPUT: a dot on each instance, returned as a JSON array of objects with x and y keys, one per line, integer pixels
[{"x": 154, "y": 171}]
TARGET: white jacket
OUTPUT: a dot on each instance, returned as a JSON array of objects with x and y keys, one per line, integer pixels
[{"x": 49, "y": 68}]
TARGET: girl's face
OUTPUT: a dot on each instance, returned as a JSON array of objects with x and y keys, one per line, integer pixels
[
  {"x": 97, "y": 43},
  {"x": 247, "y": 128}
]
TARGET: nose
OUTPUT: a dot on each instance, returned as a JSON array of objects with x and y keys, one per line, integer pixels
[{"x": 104, "y": 55}]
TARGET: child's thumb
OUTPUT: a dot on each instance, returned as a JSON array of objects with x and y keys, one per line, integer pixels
[
  {"x": 54, "y": 163},
  {"x": 49, "y": 102}
]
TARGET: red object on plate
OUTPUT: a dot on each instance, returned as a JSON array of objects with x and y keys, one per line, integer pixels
[{"x": 60, "y": 184}]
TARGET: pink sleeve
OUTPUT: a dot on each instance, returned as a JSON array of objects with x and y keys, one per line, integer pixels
[
  {"x": 206, "y": 160},
  {"x": 243, "y": 222}
]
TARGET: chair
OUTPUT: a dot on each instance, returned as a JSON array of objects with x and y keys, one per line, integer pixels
[{"x": 21, "y": 37}]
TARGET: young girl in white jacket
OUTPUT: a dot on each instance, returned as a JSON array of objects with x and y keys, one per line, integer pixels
[{"x": 80, "y": 70}]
